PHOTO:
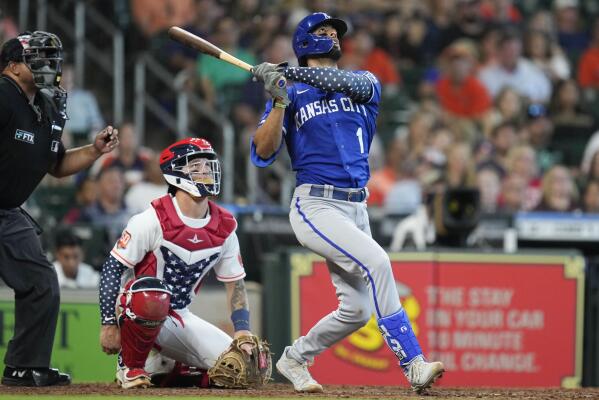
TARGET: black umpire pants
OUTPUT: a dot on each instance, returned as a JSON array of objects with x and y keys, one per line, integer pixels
[{"x": 25, "y": 268}]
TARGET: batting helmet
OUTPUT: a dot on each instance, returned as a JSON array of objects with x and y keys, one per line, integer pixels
[
  {"x": 192, "y": 165},
  {"x": 305, "y": 43}
]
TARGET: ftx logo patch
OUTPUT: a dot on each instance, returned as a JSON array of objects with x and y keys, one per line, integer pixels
[{"x": 25, "y": 136}]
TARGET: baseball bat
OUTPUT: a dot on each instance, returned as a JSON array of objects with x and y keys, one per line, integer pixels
[{"x": 204, "y": 46}]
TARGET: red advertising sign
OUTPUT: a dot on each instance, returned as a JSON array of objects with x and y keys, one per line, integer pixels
[{"x": 494, "y": 320}]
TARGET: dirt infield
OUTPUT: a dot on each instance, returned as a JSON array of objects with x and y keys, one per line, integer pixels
[{"x": 284, "y": 390}]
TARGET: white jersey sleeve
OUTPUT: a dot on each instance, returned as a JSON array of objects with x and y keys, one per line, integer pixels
[
  {"x": 142, "y": 235},
  {"x": 230, "y": 267}
]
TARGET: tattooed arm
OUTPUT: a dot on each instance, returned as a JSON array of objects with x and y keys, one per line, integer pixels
[{"x": 238, "y": 305}]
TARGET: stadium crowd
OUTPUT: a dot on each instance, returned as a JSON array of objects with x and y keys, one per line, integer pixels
[{"x": 499, "y": 95}]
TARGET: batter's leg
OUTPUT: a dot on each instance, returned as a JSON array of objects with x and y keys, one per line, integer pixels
[
  {"x": 354, "y": 312},
  {"x": 330, "y": 229}
]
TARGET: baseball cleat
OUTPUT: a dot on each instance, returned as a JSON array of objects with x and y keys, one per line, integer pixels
[
  {"x": 128, "y": 378},
  {"x": 422, "y": 374},
  {"x": 297, "y": 373}
]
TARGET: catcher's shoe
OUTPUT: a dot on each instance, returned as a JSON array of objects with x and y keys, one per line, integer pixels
[
  {"x": 298, "y": 374},
  {"x": 129, "y": 378},
  {"x": 422, "y": 374}
]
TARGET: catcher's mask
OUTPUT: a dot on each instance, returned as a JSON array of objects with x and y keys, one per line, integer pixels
[
  {"x": 192, "y": 165},
  {"x": 42, "y": 53}
]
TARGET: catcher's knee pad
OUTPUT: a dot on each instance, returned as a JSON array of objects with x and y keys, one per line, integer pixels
[{"x": 143, "y": 306}]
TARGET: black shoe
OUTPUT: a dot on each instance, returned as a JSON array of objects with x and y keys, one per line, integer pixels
[{"x": 34, "y": 377}]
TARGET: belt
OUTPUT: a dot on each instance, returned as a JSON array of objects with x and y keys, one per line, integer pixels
[{"x": 353, "y": 195}]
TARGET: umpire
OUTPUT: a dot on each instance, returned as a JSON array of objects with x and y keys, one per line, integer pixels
[{"x": 32, "y": 115}]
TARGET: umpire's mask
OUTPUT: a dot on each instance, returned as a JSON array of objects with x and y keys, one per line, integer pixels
[{"x": 42, "y": 53}]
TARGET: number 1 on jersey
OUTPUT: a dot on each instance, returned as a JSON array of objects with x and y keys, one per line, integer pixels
[{"x": 359, "y": 135}]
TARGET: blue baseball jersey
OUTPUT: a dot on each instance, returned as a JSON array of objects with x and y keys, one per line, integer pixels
[{"x": 328, "y": 135}]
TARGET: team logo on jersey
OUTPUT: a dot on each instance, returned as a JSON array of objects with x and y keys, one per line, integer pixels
[
  {"x": 195, "y": 239},
  {"x": 25, "y": 136},
  {"x": 124, "y": 240}
]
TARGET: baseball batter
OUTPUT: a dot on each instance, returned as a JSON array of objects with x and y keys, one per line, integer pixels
[
  {"x": 328, "y": 119},
  {"x": 166, "y": 251}
]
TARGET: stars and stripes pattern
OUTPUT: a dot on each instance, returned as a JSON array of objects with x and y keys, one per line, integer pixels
[
  {"x": 110, "y": 285},
  {"x": 358, "y": 87},
  {"x": 181, "y": 277}
]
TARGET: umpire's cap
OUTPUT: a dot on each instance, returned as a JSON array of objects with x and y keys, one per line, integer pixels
[{"x": 12, "y": 50}]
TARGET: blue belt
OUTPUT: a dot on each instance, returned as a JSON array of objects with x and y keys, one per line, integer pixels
[{"x": 357, "y": 196}]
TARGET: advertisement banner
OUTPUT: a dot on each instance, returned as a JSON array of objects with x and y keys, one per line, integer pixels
[
  {"x": 494, "y": 320},
  {"x": 76, "y": 343}
]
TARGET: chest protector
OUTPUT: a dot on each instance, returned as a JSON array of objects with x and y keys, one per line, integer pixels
[{"x": 221, "y": 225}]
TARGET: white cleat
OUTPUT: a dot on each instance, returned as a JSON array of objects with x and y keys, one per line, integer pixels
[
  {"x": 422, "y": 374},
  {"x": 298, "y": 374},
  {"x": 133, "y": 378}
]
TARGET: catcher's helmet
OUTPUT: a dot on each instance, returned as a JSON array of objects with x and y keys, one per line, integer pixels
[
  {"x": 192, "y": 165},
  {"x": 42, "y": 53},
  {"x": 305, "y": 43}
]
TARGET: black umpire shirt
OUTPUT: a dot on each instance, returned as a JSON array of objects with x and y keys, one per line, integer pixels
[{"x": 30, "y": 142}]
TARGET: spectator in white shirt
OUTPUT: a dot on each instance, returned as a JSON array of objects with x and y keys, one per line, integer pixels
[
  {"x": 72, "y": 272},
  {"x": 511, "y": 69},
  {"x": 141, "y": 194}
]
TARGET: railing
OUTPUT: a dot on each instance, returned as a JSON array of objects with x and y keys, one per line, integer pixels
[
  {"x": 113, "y": 65},
  {"x": 179, "y": 124}
]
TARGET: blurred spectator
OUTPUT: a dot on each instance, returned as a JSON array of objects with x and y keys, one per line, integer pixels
[
  {"x": 488, "y": 47},
  {"x": 419, "y": 130},
  {"x": 522, "y": 162},
  {"x": 573, "y": 126},
  {"x": 8, "y": 27},
  {"x": 501, "y": 12},
  {"x": 460, "y": 93},
  {"x": 72, "y": 272},
  {"x": 152, "y": 16},
  {"x": 404, "y": 196},
  {"x": 590, "y": 152},
  {"x": 459, "y": 170},
  {"x": 360, "y": 53},
  {"x": 513, "y": 70},
  {"x": 488, "y": 183},
  {"x": 469, "y": 23},
  {"x": 220, "y": 82},
  {"x": 383, "y": 179},
  {"x": 559, "y": 191},
  {"x": 571, "y": 35},
  {"x": 130, "y": 157},
  {"x": 513, "y": 194},
  {"x": 503, "y": 138},
  {"x": 508, "y": 107},
  {"x": 588, "y": 68},
  {"x": 537, "y": 132},
  {"x": 82, "y": 108},
  {"x": 592, "y": 173},
  {"x": 85, "y": 196},
  {"x": 416, "y": 46},
  {"x": 141, "y": 194},
  {"x": 542, "y": 21},
  {"x": 548, "y": 56},
  {"x": 590, "y": 197},
  {"x": 109, "y": 210}
]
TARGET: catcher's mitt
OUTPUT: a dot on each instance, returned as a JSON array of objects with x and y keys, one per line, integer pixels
[{"x": 236, "y": 369}]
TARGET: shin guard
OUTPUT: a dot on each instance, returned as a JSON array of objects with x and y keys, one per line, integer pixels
[
  {"x": 143, "y": 307},
  {"x": 400, "y": 337}
]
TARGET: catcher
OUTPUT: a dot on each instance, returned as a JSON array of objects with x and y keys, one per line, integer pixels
[{"x": 165, "y": 252}]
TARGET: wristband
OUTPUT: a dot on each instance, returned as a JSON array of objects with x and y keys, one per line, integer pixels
[
  {"x": 276, "y": 104},
  {"x": 241, "y": 319}
]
